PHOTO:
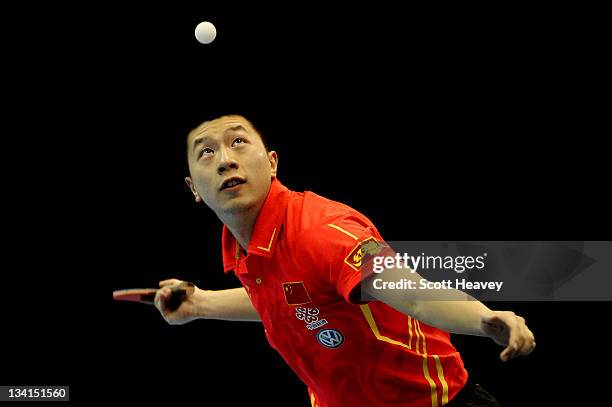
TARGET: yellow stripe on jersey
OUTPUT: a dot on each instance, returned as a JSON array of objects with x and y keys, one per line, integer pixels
[
  {"x": 432, "y": 384},
  {"x": 409, "y": 330},
  {"x": 346, "y": 232},
  {"x": 367, "y": 312},
  {"x": 439, "y": 369},
  {"x": 368, "y": 316},
  {"x": 442, "y": 380},
  {"x": 269, "y": 244}
]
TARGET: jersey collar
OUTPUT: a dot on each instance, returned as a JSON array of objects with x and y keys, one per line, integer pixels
[{"x": 267, "y": 227}]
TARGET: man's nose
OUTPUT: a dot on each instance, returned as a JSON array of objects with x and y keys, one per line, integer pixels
[{"x": 226, "y": 161}]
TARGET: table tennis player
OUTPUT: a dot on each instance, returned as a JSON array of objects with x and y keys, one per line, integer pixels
[{"x": 298, "y": 256}]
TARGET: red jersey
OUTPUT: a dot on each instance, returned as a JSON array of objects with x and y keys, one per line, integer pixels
[{"x": 300, "y": 268}]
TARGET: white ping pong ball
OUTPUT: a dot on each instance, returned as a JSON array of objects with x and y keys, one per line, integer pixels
[{"x": 205, "y": 32}]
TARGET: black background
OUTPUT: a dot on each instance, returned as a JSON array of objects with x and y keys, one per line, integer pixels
[{"x": 438, "y": 124}]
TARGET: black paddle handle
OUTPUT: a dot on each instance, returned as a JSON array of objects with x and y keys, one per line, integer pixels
[{"x": 179, "y": 293}]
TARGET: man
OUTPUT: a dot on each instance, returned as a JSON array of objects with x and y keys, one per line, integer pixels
[{"x": 298, "y": 257}]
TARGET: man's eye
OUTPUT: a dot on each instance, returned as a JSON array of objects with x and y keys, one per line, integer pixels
[
  {"x": 206, "y": 151},
  {"x": 238, "y": 141}
]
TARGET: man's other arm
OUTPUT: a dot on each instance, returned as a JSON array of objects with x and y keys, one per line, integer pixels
[{"x": 231, "y": 305}]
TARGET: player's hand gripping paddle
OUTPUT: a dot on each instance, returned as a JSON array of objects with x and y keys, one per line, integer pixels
[{"x": 147, "y": 295}]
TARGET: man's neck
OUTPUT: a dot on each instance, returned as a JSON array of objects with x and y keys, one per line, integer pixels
[
  {"x": 241, "y": 231},
  {"x": 241, "y": 224}
]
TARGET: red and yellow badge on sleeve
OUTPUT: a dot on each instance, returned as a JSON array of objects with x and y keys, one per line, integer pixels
[{"x": 362, "y": 252}]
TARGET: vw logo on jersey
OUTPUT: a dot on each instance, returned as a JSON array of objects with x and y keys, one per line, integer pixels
[{"x": 330, "y": 338}]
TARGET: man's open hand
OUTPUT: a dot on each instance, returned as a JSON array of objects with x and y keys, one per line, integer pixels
[{"x": 508, "y": 329}]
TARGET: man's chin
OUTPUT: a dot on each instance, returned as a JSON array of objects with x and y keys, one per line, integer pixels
[{"x": 237, "y": 206}]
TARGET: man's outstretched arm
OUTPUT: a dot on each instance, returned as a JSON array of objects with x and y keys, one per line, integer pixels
[
  {"x": 455, "y": 311},
  {"x": 231, "y": 305}
]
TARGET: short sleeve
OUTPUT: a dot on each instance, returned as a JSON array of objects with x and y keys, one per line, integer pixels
[{"x": 341, "y": 249}]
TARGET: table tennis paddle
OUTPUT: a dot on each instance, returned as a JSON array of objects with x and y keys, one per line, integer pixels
[{"x": 147, "y": 295}]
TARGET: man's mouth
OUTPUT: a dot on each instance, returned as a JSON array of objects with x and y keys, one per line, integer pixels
[{"x": 232, "y": 182}]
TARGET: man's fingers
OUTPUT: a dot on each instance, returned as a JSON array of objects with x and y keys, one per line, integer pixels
[
  {"x": 527, "y": 348},
  {"x": 161, "y": 297},
  {"x": 157, "y": 301},
  {"x": 525, "y": 345},
  {"x": 529, "y": 344},
  {"x": 171, "y": 281},
  {"x": 506, "y": 354},
  {"x": 524, "y": 340},
  {"x": 518, "y": 346},
  {"x": 515, "y": 344},
  {"x": 521, "y": 340}
]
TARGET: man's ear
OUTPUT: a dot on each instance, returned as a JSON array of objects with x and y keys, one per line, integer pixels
[
  {"x": 189, "y": 183},
  {"x": 273, "y": 157}
]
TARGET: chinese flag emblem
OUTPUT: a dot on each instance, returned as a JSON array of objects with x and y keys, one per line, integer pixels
[{"x": 295, "y": 293}]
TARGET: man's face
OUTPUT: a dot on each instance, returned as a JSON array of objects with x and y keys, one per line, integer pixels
[{"x": 229, "y": 166}]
